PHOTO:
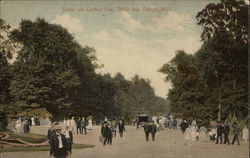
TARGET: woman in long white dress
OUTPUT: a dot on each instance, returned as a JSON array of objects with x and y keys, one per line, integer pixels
[
  {"x": 245, "y": 136},
  {"x": 187, "y": 136},
  {"x": 18, "y": 126},
  {"x": 203, "y": 134},
  {"x": 193, "y": 129},
  {"x": 90, "y": 125}
]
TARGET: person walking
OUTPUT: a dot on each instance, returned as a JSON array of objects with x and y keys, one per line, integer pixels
[
  {"x": 84, "y": 125},
  {"x": 147, "y": 130},
  {"x": 226, "y": 133},
  {"x": 58, "y": 144},
  {"x": 78, "y": 126},
  {"x": 105, "y": 132},
  {"x": 202, "y": 134},
  {"x": 69, "y": 139},
  {"x": 220, "y": 130},
  {"x": 183, "y": 126},
  {"x": 187, "y": 135},
  {"x": 109, "y": 133},
  {"x": 236, "y": 132},
  {"x": 153, "y": 130},
  {"x": 245, "y": 135},
  {"x": 121, "y": 127},
  {"x": 114, "y": 127},
  {"x": 174, "y": 124}
]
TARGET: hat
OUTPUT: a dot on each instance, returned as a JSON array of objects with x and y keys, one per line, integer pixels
[{"x": 57, "y": 128}]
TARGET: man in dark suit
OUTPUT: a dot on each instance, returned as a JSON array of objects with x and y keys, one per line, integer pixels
[
  {"x": 83, "y": 125},
  {"x": 220, "y": 130},
  {"x": 236, "y": 133},
  {"x": 153, "y": 130},
  {"x": 58, "y": 144},
  {"x": 69, "y": 139},
  {"x": 121, "y": 127},
  {"x": 226, "y": 133},
  {"x": 78, "y": 126},
  {"x": 147, "y": 129}
]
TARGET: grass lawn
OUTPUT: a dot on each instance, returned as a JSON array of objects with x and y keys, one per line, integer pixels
[
  {"x": 28, "y": 137},
  {"x": 41, "y": 148}
]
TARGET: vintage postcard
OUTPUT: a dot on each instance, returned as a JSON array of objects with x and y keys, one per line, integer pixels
[{"x": 124, "y": 79}]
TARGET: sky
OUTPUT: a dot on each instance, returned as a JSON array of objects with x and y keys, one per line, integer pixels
[{"x": 131, "y": 37}]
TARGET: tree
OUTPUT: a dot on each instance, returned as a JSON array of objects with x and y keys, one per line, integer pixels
[
  {"x": 48, "y": 69},
  {"x": 225, "y": 30}
]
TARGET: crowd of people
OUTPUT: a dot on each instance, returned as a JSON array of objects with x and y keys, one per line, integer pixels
[
  {"x": 60, "y": 141},
  {"x": 22, "y": 124},
  {"x": 216, "y": 133},
  {"x": 109, "y": 128}
]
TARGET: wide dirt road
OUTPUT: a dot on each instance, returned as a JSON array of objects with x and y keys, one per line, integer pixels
[{"x": 168, "y": 144}]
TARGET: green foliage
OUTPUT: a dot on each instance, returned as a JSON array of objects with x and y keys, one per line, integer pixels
[
  {"x": 217, "y": 73},
  {"x": 48, "y": 69}
]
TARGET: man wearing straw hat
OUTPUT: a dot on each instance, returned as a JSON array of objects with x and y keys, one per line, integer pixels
[{"x": 58, "y": 144}]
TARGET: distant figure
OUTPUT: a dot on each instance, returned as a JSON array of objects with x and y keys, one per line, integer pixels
[
  {"x": 26, "y": 127},
  {"x": 121, "y": 127},
  {"x": 183, "y": 126},
  {"x": 245, "y": 135},
  {"x": 18, "y": 126},
  {"x": 193, "y": 129},
  {"x": 106, "y": 133},
  {"x": 90, "y": 125},
  {"x": 153, "y": 130},
  {"x": 33, "y": 121},
  {"x": 226, "y": 133},
  {"x": 220, "y": 130},
  {"x": 58, "y": 144},
  {"x": 202, "y": 134},
  {"x": 109, "y": 134},
  {"x": 213, "y": 132},
  {"x": 114, "y": 127},
  {"x": 73, "y": 125},
  {"x": 69, "y": 139},
  {"x": 147, "y": 130},
  {"x": 78, "y": 126},
  {"x": 187, "y": 135},
  {"x": 83, "y": 125},
  {"x": 236, "y": 133},
  {"x": 174, "y": 124},
  {"x": 137, "y": 123}
]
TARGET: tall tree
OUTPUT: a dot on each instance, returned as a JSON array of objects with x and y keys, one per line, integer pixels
[{"x": 47, "y": 71}]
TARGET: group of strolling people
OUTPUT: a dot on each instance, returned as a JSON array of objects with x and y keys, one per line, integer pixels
[
  {"x": 109, "y": 128},
  {"x": 216, "y": 133},
  {"x": 60, "y": 141}
]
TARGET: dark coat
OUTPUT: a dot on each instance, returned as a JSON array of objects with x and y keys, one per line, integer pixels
[
  {"x": 121, "y": 127},
  {"x": 78, "y": 123},
  {"x": 226, "y": 130},
  {"x": 220, "y": 130},
  {"x": 50, "y": 133},
  {"x": 106, "y": 131},
  {"x": 83, "y": 123},
  {"x": 55, "y": 145},
  {"x": 236, "y": 130},
  {"x": 147, "y": 128},
  {"x": 153, "y": 128}
]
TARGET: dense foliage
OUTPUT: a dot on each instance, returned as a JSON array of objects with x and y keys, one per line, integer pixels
[
  {"x": 54, "y": 76},
  {"x": 217, "y": 73}
]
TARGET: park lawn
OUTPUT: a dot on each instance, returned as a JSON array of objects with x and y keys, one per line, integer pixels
[
  {"x": 41, "y": 148},
  {"x": 28, "y": 137}
]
